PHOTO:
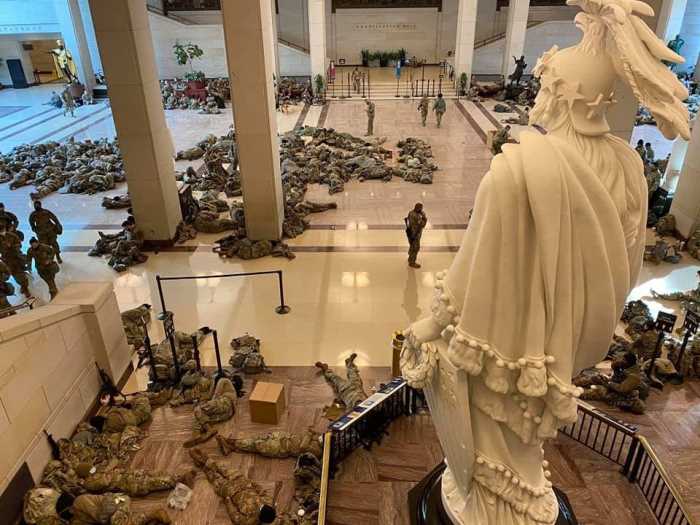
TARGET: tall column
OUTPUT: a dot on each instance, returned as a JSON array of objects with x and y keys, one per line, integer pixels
[
  {"x": 516, "y": 30},
  {"x": 317, "y": 37},
  {"x": 686, "y": 202},
  {"x": 126, "y": 50},
  {"x": 670, "y": 19},
  {"x": 466, "y": 33},
  {"x": 70, "y": 21},
  {"x": 275, "y": 40},
  {"x": 90, "y": 35},
  {"x": 247, "y": 28}
]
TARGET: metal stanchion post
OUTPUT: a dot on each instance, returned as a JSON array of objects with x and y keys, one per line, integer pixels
[
  {"x": 220, "y": 373},
  {"x": 664, "y": 324},
  {"x": 282, "y": 308},
  {"x": 195, "y": 352},
  {"x": 151, "y": 361},
  {"x": 169, "y": 329},
  {"x": 690, "y": 324}
]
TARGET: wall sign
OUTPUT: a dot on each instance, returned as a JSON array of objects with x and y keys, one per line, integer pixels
[
  {"x": 386, "y": 27},
  {"x": 385, "y": 4}
]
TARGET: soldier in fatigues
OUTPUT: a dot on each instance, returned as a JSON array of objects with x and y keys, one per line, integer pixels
[
  {"x": 116, "y": 418},
  {"x": 137, "y": 482},
  {"x": 135, "y": 322},
  {"x": 349, "y": 391},
  {"x": 45, "y": 506},
  {"x": 439, "y": 107},
  {"x": 689, "y": 297},
  {"x": 8, "y": 219},
  {"x": 370, "y": 117},
  {"x": 195, "y": 386},
  {"x": 245, "y": 501},
  {"x": 47, "y": 227},
  {"x": 218, "y": 409},
  {"x": 6, "y": 289},
  {"x": 274, "y": 445},
  {"x": 424, "y": 107},
  {"x": 415, "y": 222},
  {"x": 11, "y": 251},
  {"x": 46, "y": 267}
]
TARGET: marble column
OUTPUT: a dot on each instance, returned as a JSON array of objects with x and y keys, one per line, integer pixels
[
  {"x": 516, "y": 31},
  {"x": 317, "y": 37},
  {"x": 90, "y": 35},
  {"x": 70, "y": 21},
  {"x": 686, "y": 202},
  {"x": 126, "y": 49},
  {"x": 466, "y": 33},
  {"x": 275, "y": 41},
  {"x": 670, "y": 19},
  {"x": 675, "y": 165},
  {"x": 247, "y": 28}
]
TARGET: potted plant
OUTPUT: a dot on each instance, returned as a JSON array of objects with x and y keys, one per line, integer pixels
[
  {"x": 384, "y": 59},
  {"x": 374, "y": 59},
  {"x": 365, "y": 57},
  {"x": 185, "y": 54},
  {"x": 463, "y": 84}
]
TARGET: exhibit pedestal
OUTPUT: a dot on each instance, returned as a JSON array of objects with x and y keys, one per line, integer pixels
[{"x": 426, "y": 507}]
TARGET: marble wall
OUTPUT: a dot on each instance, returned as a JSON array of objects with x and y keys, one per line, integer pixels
[
  {"x": 690, "y": 31},
  {"x": 48, "y": 378},
  {"x": 294, "y": 63}
]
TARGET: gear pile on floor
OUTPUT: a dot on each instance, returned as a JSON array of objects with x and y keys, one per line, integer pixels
[
  {"x": 210, "y": 99},
  {"x": 72, "y": 167}
]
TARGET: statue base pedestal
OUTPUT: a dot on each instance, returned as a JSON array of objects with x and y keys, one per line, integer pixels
[{"x": 426, "y": 507}]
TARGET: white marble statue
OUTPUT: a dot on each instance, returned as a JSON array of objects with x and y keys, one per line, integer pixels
[{"x": 553, "y": 248}]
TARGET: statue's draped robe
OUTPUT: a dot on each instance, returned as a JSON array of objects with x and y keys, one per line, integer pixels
[{"x": 533, "y": 295}]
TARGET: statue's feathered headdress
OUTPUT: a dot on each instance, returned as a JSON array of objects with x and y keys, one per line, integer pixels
[{"x": 637, "y": 55}]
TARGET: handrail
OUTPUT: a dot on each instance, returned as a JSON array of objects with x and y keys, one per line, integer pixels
[
  {"x": 27, "y": 303},
  {"x": 325, "y": 476},
  {"x": 292, "y": 45},
  {"x": 665, "y": 510},
  {"x": 495, "y": 38}
]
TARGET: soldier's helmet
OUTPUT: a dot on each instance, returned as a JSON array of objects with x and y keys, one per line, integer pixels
[{"x": 191, "y": 365}]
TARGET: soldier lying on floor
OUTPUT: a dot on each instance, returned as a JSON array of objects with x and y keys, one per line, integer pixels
[
  {"x": 279, "y": 444},
  {"x": 350, "y": 391},
  {"x": 221, "y": 407}
]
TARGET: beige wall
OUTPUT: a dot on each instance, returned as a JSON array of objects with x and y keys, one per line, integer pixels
[{"x": 48, "y": 378}]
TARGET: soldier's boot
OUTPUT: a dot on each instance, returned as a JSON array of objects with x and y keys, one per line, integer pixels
[
  {"x": 153, "y": 517},
  {"x": 224, "y": 445},
  {"x": 351, "y": 359},
  {"x": 160, "y": 398},
  {"x": 201, "y": 436},
  {"x": 322, "y": 366},
  {"x": 187, "y": 478},
  {"x": 199, "y": 457}
]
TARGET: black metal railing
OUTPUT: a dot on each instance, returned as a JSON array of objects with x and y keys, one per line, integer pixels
[
  {"x": 367, "y": 422},
  {"x": 647, "y": 472},
  {"x": 620, "y": 443},
  {"x": 27, "y": 303},
  {"x": 601, "y": 433}
]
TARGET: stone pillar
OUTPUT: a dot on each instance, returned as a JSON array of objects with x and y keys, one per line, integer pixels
[
  {"x": 247, "y": 28},
  {"x": 126, "y": 50},
  {"x": 90, "y": 35},
  {"x": 675, "y": 165},
  {"x": 466, "y": 32},
  {"x": 275, "y": 41},
  {"x": 686, "y": 202},
  {"x": 670, "y": 19},
  {"x": 621, "y": 116},
  {"x": 70, "y": 21},
  {"x": 516, "y": 30},
  {"x": 317, "y": 38}
]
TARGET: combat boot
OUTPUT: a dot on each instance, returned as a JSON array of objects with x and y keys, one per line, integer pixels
[
  {"x": 224, "y": 445},
  {"x": 200, "y": 437}
]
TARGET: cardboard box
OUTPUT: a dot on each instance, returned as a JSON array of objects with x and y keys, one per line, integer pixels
[{"x": 267, "y": 402}]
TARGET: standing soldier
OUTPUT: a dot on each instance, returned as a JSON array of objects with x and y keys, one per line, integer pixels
[
  {"x": 424, "y": 107},
  {"x": 439, "y": 108},
  {"x": 46, "y": 267},
  {"x": 370, "y": 117},
  {"x": 6, "y": 289},
  {"x": 47, "y": 227},
  {"x": 11, "y": 251},
  {"x": 649, "y": 153},
  {"x": 415, "y": 222},
  {"x": 356, "y": 77},
  {"x": 8, "y": 218}
]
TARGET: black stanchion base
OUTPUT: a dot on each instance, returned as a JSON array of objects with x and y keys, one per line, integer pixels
[
  {"x": 284, "y": 309},
  {"x": 426, "y": 508}
]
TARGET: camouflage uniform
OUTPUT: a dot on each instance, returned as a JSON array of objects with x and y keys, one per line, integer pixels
[
  {"x": 195, "y": 386},
  {"x": 135, "y": 322},
  {"x": 689, "y": 296},
  {"x": 11, "y": 251},
  {"x": 370, "y": 117},
  {"x": 47, "y": 228},
  {"x": 131, "y": 482},
  {"x": 349, "y": 391},
  {"x": 112, "y": 509},
  {"x": 6, "y": 289},
  {"x": 221, "y": 407},
  {"x": 501, "y": 138},
  {"x": 117, "y": 418},
  {"x": 416, "y": 221},
  {"x": 242, "y": 497},
  {"x": 439, "y": 107},
  {"x": 423, "y": 107},
  {"x": 46, "y": 267},
  {"x": 274, "y": 445},
  {"x": 39, "y": 507}
]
